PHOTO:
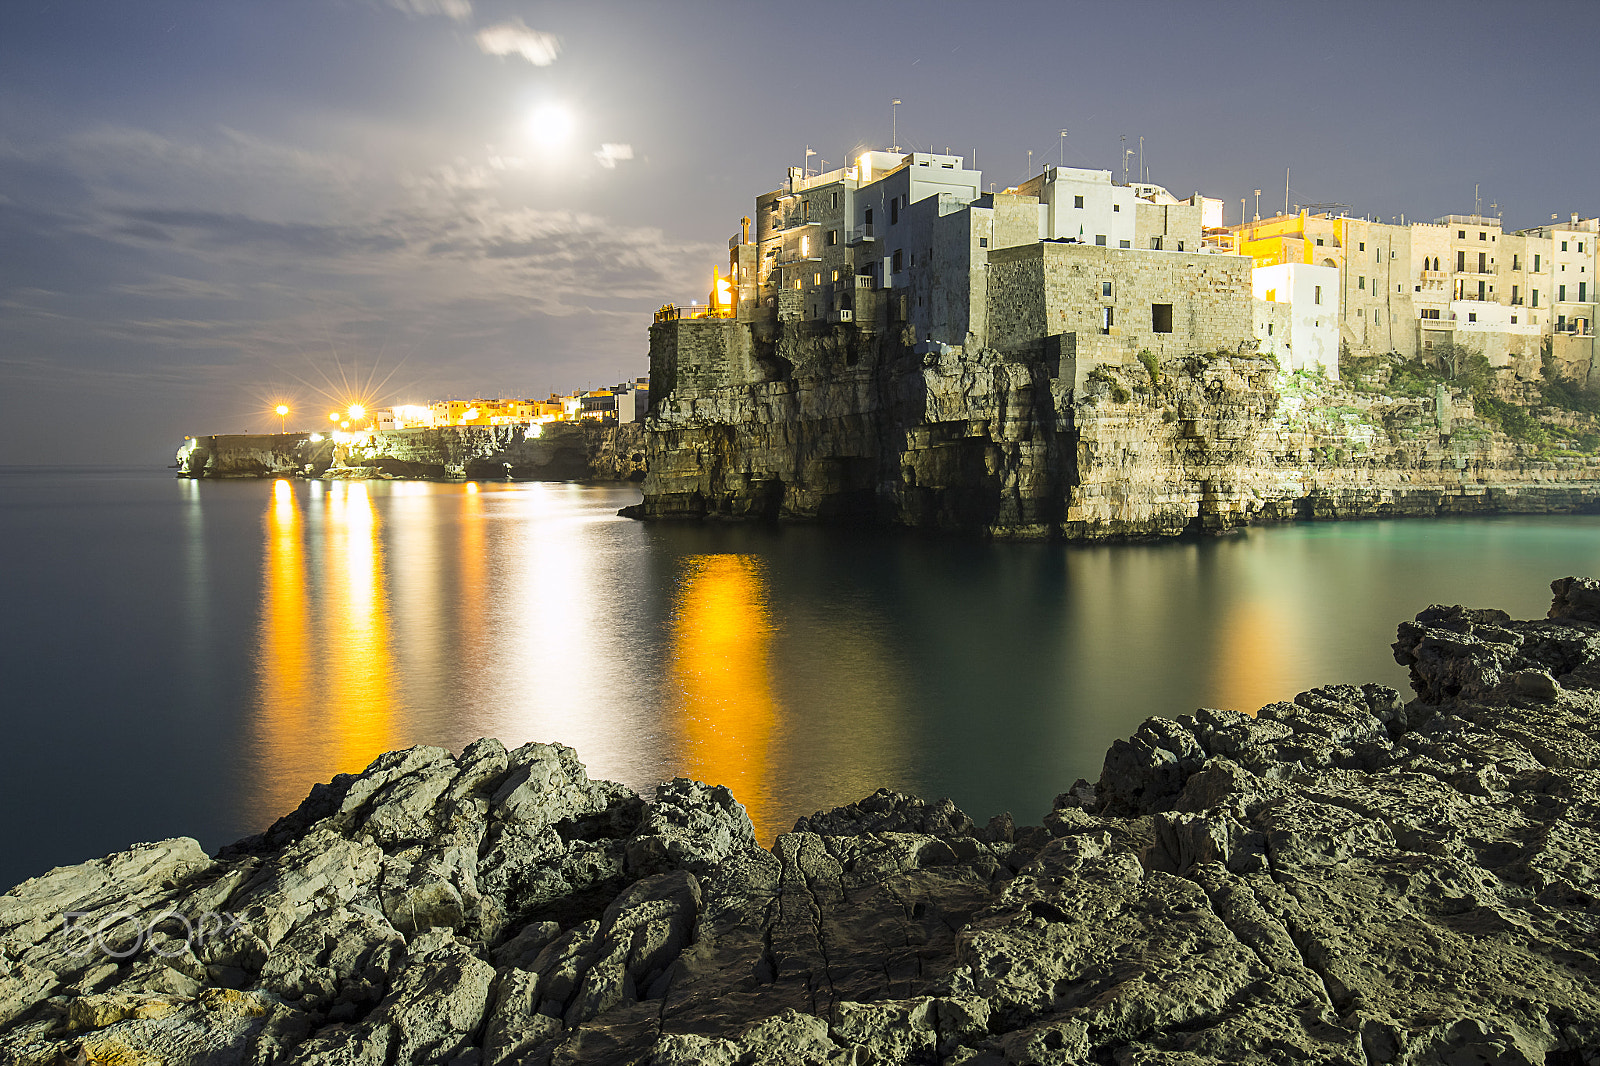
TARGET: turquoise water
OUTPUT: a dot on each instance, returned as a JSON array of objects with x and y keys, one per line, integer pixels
[{"x": 188, "y": 658}]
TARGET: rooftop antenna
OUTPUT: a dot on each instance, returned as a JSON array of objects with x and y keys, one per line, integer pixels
[
  {"x": 1124, "y": 159},
  {"x": 1142, "y": 178},
  {"x": 894, "y": 124},
  {"x": 1062, "y": 156},
  {"x": 1030, "y": 162},
  {"x": 1286, "y": 190},
  {"x": 1477, "y": 202}
]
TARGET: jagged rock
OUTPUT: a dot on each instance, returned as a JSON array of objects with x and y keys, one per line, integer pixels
[
  {"x": 1343, "y": 878},
  {"x": 690, "y": 827}
]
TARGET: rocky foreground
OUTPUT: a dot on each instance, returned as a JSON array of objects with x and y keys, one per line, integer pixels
[{"x": 1349, "y": 878}]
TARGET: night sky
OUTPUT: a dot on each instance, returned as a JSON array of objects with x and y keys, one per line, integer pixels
[{"x": 210, "y": 207}]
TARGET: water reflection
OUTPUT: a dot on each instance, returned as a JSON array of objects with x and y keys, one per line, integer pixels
[
  {"x": 721, "y": 679},
  {"x": 326, "y": 701}
]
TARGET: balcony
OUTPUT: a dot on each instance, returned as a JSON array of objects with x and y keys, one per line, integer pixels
[
  {"x": 677, "y": 312},
  {"x": 860, "y": 235},
  {"x": 841, "y": 315}
]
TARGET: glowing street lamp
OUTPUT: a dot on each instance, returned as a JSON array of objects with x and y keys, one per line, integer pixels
[
  {"x": 283, "y": 411},
  {"x": 356, "y": 412},
  {"x": 333, "y": 416}
]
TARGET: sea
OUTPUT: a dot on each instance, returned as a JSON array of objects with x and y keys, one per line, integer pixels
[{"x": 182, "y": 658}]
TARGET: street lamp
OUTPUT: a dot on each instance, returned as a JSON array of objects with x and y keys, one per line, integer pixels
[{"x": 283, "y": 411}]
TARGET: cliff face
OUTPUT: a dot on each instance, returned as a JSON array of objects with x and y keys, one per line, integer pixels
[
  {"x": 560, "y": 452},
  {"x": 1344, "y": 879},
  {"x": 824, "y": 422}
]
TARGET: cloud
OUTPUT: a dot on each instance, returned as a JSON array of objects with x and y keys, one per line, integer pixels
[
  {"x": 517, "y": 38},
  {"x": 460, "y": 10},
  {"x": 610, "y": 153}
]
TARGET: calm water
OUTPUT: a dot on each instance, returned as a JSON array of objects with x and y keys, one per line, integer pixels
[{"x": 185, "y": 658}]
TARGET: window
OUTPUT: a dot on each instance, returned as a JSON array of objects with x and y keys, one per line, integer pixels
[
  {"x": 1077, "y": 201},
  {"x": 1107, "y": 319},
  {"x": 1377, "y": 317},
  {"x": 816, "y": 279},
  {"x": 1533, "y": 298},
  {"x": 1561, "y": 323},
  {"x": 1472, "y": 316},
  {"x": 1361, "y": 282},
  {"x": 835, "y": 203},
  {"x": 1361, "y": 246},
  {"x": 1269, "y": 329},
  {"x": 896, "y": 261},
  {"x": 1461, "y": 234},
  {"x": 1180, "y": 246},
  {"x": 1461, "y": 261},
  {"x": 835, "y": 276},
  {"x": 1105, "y": 289},
  {"x": 1580, "y": 246},
  {"x": 833, "y": 237},
  {"x": 1482, "y": 265},
  {"x": 1561, "y": 294},
  {"x": 1515, "y": 261},
  {"x": 1124, "y": 244},
  {"x": 1429, "y": 312},
  {"x": 866, "y": 219},
  {"x": 1100, "y": 239},
  {"x": 807, "y": 209},
  {"x": 1116, "y": 207},
  {"x": 1317, "y": 296},
  {"x": 983, "y": 242},
  {"x": 1536, "y": 263},
  {"x": 1513, "y": 320},
  {"x": 1319, "y": 242},
  {"x": 1563, "y": 246},
  {"x": 796, "y": 284},
  {"x": 894, "y": 210},
  {"x": 1583, "y": 292},
  {"x": 1377, "y": 255},
  {"x": 805, "y": 246},
  {"x": 1482, "y": 235},
  {"x": 1160, "y": 318},
  {"x": 1155, "y": 244},
  {"x": 1514, "y": 300}
]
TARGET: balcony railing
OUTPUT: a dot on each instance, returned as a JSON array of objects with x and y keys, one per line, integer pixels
[
  {"x": 677, "y": 312},
  {"x": 860, "y": 235}
]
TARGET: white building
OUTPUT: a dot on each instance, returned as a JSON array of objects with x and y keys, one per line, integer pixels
[{"x": 1297, "y": 315}]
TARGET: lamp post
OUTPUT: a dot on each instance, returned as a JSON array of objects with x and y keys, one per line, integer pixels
[{"x": 283, "y": 412}]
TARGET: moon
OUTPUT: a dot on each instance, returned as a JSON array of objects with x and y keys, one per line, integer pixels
[{"x": 551, "y": 124}]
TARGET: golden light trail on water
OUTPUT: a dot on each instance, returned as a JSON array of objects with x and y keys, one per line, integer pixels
[
  {"x": 308, "y": 732},
  {"x": 722, "y": 679},
  {"x": 284, "y": 713},
  {"x": 357, "y": 640}
]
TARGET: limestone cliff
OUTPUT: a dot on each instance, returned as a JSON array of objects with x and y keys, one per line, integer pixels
[
  {"x": 807, "y": 421},
  {"x": 1347, "y": 879},
  {"x": 559, "y": 452}
]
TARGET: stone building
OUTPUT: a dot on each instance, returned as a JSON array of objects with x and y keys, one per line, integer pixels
[
  {"x": 1415, "y": 287},
  {"x": 911, "y": 242}
]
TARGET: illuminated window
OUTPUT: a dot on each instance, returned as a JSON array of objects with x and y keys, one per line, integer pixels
[
  {"x": 835, "y": 275},
  {"x": 816, "y": 279},
  {"x": 796, "y": 284},
  {"x": 805, "y": 246},
  {"x": 833, "y": 237}
]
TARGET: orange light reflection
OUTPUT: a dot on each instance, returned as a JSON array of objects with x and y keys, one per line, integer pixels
[{"x": 722, "y": 678}]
